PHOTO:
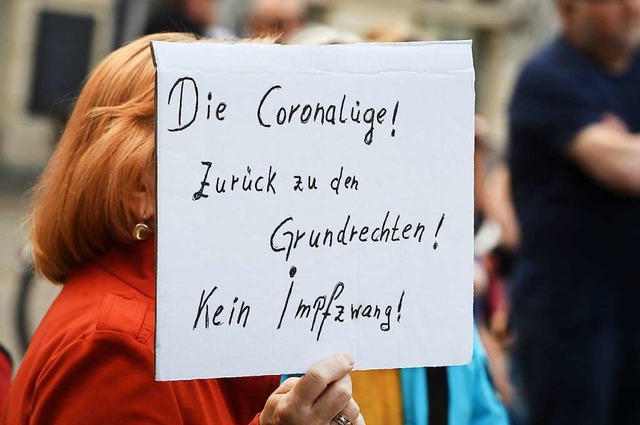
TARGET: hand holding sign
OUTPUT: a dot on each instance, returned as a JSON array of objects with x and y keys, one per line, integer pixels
[{"x": 316, "y": 398}]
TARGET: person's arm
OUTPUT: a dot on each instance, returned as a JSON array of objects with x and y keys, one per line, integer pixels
[
  {"x": 609, "y": 154},
  {"x": 497, "y": 193},
  {"x": 103, "y": 378},
  {"x": 552, "y": 109}
]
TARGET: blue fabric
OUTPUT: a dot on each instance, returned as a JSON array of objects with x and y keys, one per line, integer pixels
[
  {"x": 578, "y": 253},
  {"x": 472, "y": 398},
  {"x": 567, "y": 376},
  {"x": 415, "y": 398}
]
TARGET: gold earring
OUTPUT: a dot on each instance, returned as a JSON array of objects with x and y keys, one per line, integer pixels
[{"x": 141, "y": 230}]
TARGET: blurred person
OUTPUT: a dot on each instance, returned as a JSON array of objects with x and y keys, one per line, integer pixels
[
  {"x": 492, "y": 191},
  {"x": 575, "y": 167},
  {"x": 280, "y": 18},
  {"x": 493, "y": 226},
  {"x": 199, "y": 17},
  {"x": 498, "y": 204},
  {"x": 91, "y": 360},
  {"x": 499, "y": 209},
  {"x": 496, "y": 226}
]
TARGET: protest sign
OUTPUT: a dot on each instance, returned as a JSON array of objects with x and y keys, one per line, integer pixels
[{"x": 313, "y": 200}]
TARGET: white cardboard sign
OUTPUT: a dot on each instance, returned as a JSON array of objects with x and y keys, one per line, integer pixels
[{"x": 313, "y": 200}]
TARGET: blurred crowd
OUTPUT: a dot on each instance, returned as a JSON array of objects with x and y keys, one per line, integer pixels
[{"x": 557, "y": 221}]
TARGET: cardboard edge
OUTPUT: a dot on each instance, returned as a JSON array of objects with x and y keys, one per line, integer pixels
[{"x": 154, "y": 58}]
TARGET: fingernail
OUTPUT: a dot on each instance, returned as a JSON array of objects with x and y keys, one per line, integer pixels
[{"x": 352, "y": 361}]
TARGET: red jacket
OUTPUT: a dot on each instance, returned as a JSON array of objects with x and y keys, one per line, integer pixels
[
  {"x": 91, "y": 361},
  {"x": 6, "y": 370}
]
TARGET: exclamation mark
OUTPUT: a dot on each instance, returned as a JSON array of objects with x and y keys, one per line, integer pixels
[
  {"x": 435, "y": 244},
  {"x": 400, "y": 306},
  {"x": 393, "y": 119}
]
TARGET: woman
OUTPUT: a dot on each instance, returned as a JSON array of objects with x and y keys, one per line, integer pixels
[{"x": 91, "y": 361}]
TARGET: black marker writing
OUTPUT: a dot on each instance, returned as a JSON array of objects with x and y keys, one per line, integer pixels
[
  {"x": 299, "y": 186},
  {"x": 350, "y": 182},
  {"x": 292, "y": 273},
  {"x": 322, "y": 113},
  {"x": 435, "y": 244},
  {"x": 262, "y": 123},
  {"x": 217, "y": 318},
  {"x": 204, "y": 183},
  {"x": 287, "y": 238},
  {"x": 192, "y": 93},
  {"x": 337, "y": 291},
  {"x": 331, "y": 305},
  {"x": 222, "y": 106},
  {"x": 247, "y": 182},
  {"x": 393, "y": 119},
  {"x": 400, "y": 306}
]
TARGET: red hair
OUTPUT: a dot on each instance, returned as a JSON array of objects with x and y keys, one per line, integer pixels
[{"x": 83, "y": 202}]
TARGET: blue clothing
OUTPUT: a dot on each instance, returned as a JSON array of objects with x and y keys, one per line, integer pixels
[
  {"x": 566, "y": 376},
  {"x": 580, "y": 241},
  {"x": 472, "y": 399},
  {"x": 577, "y": 273}
]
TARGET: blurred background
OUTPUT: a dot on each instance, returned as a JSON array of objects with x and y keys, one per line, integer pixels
[{"x": 47, "y": 47}]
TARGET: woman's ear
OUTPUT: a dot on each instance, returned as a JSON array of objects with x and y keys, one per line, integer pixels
[{"x": 143, "y": 206}]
